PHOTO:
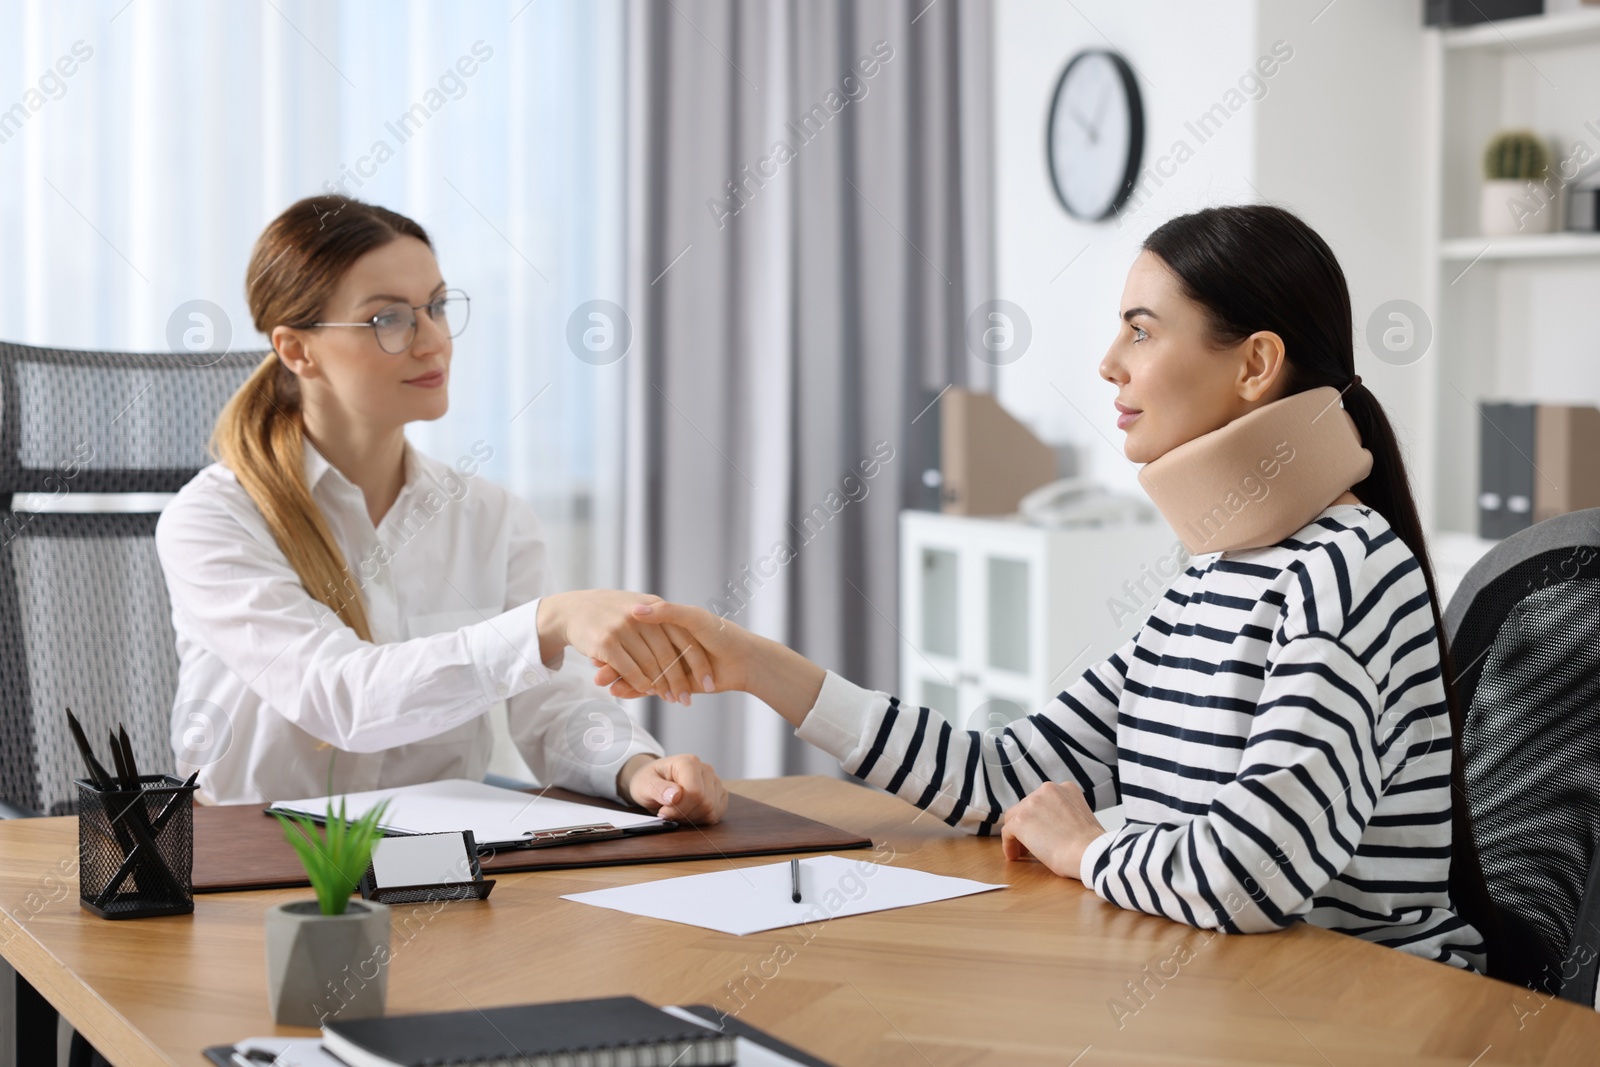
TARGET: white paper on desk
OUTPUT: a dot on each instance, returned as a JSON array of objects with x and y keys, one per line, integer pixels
[
  {"x": 495, "y": 816},
  {"x": 751, "y": 899}
]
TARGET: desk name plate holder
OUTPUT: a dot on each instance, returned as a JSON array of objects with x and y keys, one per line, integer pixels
[{"x": 473, "y": 887}]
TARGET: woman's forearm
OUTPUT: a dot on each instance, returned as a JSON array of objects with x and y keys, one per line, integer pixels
[{"x": 782, "y": 679}]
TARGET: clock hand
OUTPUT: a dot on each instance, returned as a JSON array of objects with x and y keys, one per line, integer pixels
[
  {"x": 1105, "y": 98},
  {"x": 1094, "y": 135}
]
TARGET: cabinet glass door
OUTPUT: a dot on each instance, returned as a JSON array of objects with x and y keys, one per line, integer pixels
[
  {"x": 945, "y": 699},
  {"x": 1009, "y": 588},
  {"x": 941, "y": 607}
]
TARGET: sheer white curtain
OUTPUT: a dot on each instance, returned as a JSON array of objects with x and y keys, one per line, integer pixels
[{"x": 144, "y": 145}]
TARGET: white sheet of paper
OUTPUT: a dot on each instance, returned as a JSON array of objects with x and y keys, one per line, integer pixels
[
  {"x": 751, "y": 899},
  {"x": 495, "y": 816}
]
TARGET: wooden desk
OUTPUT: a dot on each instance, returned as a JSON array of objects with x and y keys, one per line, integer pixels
[{"x": 1022, "y": 976}]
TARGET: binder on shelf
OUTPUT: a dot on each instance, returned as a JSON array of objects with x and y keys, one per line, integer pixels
[
  {"x": 1506, "y": 469},
  {"x": 1567, "y": 455}
]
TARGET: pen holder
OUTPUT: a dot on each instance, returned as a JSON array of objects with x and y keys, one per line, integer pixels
[{"x": 136, "y": 849}]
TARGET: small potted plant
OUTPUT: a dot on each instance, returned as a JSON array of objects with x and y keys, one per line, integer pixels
[
  {"x": 1516, "y": 198},
  {"x": 329, "y": 956}
]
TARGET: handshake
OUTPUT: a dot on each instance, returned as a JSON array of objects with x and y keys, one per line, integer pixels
[{"x": 642, "y": 645}]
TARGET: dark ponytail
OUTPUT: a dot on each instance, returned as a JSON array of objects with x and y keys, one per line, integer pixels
[{"x": 1256, "y": 267}]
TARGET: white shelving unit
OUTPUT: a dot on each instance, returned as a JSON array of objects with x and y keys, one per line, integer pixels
[
  {"x": 1001, "y": 615},
  {"x": 1534, "y": 246},
  {"x": 1514, "y": 318}
]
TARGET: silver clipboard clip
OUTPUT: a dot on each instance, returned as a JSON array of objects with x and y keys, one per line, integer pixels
[{"x": 565, "y": 835}]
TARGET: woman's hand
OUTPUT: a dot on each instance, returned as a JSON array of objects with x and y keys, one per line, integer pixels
[
  {"x": 680, "y": 788},
  {"x": 1054, "y": 824},
  {"x": 600, "y": 624}
]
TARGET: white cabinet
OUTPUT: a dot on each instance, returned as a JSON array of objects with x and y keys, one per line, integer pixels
[{"x": 998, "y": 616}]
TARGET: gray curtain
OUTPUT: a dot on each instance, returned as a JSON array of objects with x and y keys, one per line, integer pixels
[{"x": 809, "y": 227}]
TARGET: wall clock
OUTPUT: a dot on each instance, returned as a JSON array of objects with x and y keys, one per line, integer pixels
[{"x": 1095, "y": 137}]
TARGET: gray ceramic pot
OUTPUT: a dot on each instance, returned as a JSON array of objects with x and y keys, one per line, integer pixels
[{"x": 321, "y": 966}]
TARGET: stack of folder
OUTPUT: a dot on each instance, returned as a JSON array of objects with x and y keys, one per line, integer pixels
[{"x": 1535, "y": 461}]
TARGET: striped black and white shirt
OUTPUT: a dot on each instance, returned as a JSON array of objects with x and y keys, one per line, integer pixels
[{"x": 1276, "y": 731}]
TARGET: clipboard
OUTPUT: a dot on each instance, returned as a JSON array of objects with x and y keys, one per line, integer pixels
[
  {"x": 236, "y": 849},
  {"x": 499, "y": 819}
]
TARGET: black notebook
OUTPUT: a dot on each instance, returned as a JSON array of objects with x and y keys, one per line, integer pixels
[{"x": 611, "y": 1032}]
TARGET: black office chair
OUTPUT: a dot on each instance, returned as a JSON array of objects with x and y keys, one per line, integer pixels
[
  {"x": 84, "y": 617},
  {"x": 1524, "y": 633}
]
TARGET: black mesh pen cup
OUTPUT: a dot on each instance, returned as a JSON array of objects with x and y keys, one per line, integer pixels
[{"x": 136, "y": 849}]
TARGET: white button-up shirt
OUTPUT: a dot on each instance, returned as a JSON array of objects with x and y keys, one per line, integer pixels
[{"x": 272, "y": 686}]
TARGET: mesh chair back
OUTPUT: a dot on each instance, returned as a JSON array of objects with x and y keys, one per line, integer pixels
[
  {"x": 1524, "y": 632},
  {"x": 84, "y": 617},
  {"x": 116, "y": 422},
  {"x": 88, "y": 627}
]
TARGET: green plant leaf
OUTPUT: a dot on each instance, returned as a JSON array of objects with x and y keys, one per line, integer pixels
[{"x": 335, "y": 855}]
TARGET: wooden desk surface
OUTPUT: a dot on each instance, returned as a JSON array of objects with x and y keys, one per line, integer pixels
[{"x": 1027, "y": 975}]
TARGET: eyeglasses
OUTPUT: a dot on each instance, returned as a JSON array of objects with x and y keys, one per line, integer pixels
[{"x": 396, "y": 324}]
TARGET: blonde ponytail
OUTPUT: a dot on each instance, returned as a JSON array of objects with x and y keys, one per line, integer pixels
[
  {"x": 297, "y": 263},
  {"x": 260, "y": 438}
]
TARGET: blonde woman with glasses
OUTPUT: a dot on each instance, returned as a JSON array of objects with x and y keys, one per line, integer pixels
[{"x": 341, "y": 598}]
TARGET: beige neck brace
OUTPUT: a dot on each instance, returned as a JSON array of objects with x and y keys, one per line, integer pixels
[{"x": 1261, "y": 477}]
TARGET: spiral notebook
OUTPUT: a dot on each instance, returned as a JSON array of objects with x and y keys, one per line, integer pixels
[
  {"x": 609, "y": 1032},
  {"x": 751, "y": 1047}
]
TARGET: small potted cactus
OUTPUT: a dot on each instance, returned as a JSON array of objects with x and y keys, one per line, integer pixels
[
  {"x": 1516, "y": 198},
  {"x": 329, "y": 956}
]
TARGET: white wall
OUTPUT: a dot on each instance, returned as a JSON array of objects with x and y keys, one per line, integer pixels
[
  {"x": 1183, "y": 54},
  {"x": 1334, "y": 134},
  {"x": 1343, "y": 141}
]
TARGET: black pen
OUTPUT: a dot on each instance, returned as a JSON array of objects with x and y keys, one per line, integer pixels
[
  {"x": 134, "y": 819},
  {"x": 794, "y": 881},
  {"x": 97, "y": 772}
]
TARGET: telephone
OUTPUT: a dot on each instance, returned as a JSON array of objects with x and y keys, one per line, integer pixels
[{"x": 1083, "y": 502}]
